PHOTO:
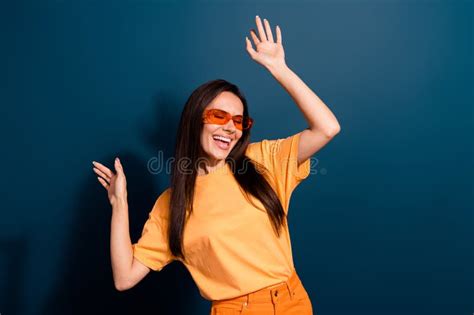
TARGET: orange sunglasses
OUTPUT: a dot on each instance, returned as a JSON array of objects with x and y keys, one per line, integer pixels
[{"x": 221, "y": 117}]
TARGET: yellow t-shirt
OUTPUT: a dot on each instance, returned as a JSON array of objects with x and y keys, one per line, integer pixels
[{"x": 230, "y": 245}]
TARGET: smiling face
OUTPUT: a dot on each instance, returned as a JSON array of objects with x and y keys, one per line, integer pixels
[{"x": 214, "y": 150}]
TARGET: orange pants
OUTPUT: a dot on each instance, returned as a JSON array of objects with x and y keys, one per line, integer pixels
[{"x": 286, "y": 298}]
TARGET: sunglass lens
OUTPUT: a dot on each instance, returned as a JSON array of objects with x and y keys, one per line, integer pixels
[{"x": 219, "y": 117}]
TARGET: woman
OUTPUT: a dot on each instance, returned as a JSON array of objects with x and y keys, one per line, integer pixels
[{"x": 224, "y": 215}]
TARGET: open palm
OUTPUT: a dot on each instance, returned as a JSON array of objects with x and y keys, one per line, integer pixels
[
  {"x": 114, "y": 182},
  {"x": 268, "y": 53}
]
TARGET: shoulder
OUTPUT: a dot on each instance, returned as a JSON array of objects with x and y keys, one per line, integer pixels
[
  {"x": 268, "y": 149},
  {"x": 161, "y": 206},
  {"x": 257, "y": 150}
]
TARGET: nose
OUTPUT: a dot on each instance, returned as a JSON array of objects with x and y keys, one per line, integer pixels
[{"x": 230, "y": 126}]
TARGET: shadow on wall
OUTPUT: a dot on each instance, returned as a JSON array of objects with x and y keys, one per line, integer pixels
[
  {"x": 12, "y": 252},
  {"x": 85, "y": 282}
]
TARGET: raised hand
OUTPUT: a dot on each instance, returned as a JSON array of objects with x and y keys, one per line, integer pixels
[
  {"x": 268, "y": 53},
  {"x": 114, "y": 183}
]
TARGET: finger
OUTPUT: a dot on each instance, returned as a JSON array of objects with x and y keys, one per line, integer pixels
[
  {"x": 261, "y": 32},
  {"x": 102, "y": 174},
  {"x": 256, "y": 41},
  {"x": 249, "y": 47},
  {"x": 103, "y": 168},
  {"x": 103, "y": 182},
  {"x": 118, "y": 166},
  {"x": 278, "y": 31},
  {"x": 268, "y": 29}
]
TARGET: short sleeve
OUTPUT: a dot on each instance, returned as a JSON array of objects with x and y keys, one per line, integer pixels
[
  {"x": 280, "y": 158},
  {"x": 152, "y": 248}
]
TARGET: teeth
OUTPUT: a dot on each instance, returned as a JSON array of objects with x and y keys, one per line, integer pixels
[{"x": 222, "y": 138}]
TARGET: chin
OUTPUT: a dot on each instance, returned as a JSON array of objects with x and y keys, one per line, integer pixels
[
  {"x": 219, "y": 156},
  {"x": 217, "y": 153}
]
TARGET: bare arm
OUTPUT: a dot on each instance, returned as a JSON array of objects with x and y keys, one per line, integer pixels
[
  {"x": 323, "y": 125},
  {"x": 127, "y": 270}
]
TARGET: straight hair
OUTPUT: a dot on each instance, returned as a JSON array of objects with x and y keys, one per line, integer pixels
[{"x": 188, "y": 147}]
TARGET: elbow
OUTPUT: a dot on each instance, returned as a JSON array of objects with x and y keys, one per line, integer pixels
[
  {"x": 121, "y": 285},
  {"x": 333, "y": 131}
]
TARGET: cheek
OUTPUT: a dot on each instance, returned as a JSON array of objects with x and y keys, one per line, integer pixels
[
  {"x": 238, "y": 135},
  {"x": 207, "y": 133}
]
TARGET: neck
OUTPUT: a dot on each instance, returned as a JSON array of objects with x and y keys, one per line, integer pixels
[{"x": 207, "y": 166}]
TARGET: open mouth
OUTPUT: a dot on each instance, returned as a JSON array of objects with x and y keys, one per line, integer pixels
[{"x": 222, "y": 142}]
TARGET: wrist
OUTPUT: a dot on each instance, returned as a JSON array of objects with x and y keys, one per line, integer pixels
[
  {"x": 278, "y": 70},
  {"x": 119, "y": 202}
]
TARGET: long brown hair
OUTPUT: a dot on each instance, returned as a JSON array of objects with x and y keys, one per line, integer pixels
[{"x": 188, "y": 148}]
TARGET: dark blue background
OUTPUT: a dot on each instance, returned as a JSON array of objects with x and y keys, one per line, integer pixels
[{"x": 384, "y": 227}]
